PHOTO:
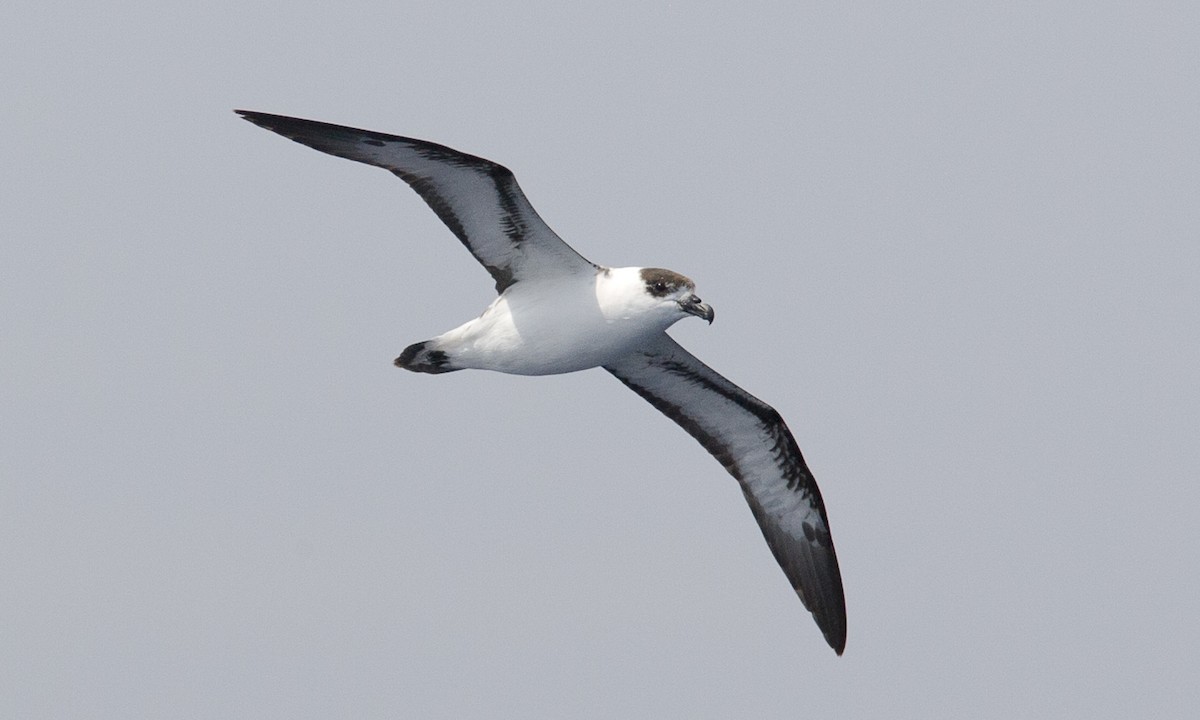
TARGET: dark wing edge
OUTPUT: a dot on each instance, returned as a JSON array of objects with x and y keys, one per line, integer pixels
[
  {"x": 477, "y": 199},
  {"x": 751, "y": 440}
]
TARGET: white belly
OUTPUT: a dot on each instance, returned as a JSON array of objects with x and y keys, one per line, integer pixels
[{"x": 542, "y": 333}]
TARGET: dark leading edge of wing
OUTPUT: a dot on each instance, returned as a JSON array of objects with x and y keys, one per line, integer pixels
[
  {"x": 479, "y": 200},
  {"x": 751, "y": 440}
]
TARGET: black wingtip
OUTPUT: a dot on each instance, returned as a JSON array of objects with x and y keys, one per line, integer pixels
[
  {"x": 835, "y": 636},
  {"x": 263, "y": 120},
  {"x": 266, "y": 120},
  {"x": 272, "y": 121},
  {"x": 833, "y": 624}
]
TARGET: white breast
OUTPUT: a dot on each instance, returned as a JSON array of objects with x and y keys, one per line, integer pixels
[{"x": 561, "y": 326}]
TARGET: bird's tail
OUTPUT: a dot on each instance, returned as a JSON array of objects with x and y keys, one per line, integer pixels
[{"x": 425, "y": 357}]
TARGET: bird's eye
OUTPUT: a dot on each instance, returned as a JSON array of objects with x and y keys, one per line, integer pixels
[{"x": 660, "y": 288}]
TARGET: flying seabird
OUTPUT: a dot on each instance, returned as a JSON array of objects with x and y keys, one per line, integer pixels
[{"x": 558, "y": 312}]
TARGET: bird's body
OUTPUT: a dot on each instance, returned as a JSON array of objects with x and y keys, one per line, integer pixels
[
  {"x": 559, "y": 325},
  {"x": 558, "y": 313}
]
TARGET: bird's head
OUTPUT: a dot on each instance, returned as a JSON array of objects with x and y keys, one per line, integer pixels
[{"x": 674, "y": 293}]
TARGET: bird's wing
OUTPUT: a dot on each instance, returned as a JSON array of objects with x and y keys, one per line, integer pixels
[
  {"x": 478, "y": 199},
  {"x": 755, "y": 446}
]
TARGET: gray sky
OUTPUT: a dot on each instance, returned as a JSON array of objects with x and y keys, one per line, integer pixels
[{"x": 956, "y": 245}]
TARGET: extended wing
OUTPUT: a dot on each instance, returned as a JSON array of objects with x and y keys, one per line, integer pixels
[
  {"x": 755, "y": 446},
  {"x": 478, "y": 199}
]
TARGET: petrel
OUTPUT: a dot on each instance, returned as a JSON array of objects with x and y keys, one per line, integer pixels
[{"x": 558, "y": 312}]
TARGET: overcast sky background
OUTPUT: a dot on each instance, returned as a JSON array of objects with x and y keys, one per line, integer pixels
[{"x": 957, "y": 245}]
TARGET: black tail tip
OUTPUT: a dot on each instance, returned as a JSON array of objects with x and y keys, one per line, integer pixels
[
  {"x": 409, "y": 353},
  {"x": 418, "y": 358}
]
